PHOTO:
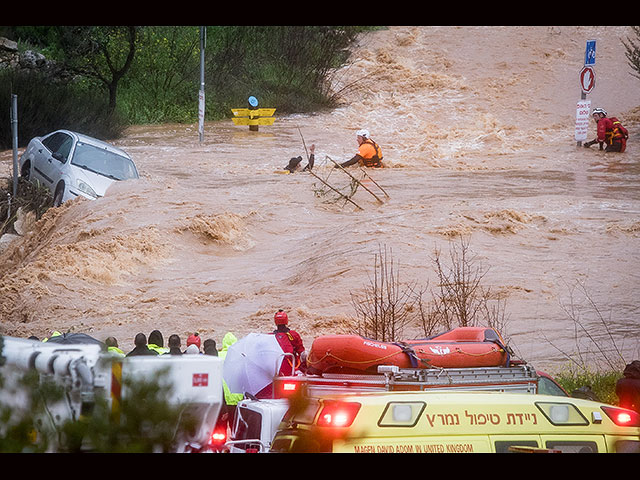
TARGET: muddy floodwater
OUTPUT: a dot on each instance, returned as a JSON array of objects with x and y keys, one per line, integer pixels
[{"x": 476, "y": 125}]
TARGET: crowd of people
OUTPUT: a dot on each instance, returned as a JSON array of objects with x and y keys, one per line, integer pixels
[{"x": 154, "y": 345}]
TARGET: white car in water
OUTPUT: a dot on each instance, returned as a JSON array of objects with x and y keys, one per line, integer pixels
[{"x": 70, "y": 164}]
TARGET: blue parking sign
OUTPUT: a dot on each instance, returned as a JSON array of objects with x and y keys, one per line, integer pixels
[{"x": 590, "y": 53}]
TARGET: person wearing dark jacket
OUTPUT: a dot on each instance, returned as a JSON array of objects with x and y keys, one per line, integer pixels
[
  {"x": 295, "y": 163},
  {"x": 209, "y": 347},
  {"x": 174, "y": 345},
  {"x": 141, "y": 347},
  {"x": 628, "y": 387}
]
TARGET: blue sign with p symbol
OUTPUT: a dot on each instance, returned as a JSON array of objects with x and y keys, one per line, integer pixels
[{"x": 590, "y": 53}]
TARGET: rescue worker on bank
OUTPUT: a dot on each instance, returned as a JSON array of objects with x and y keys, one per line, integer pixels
[
  {"x": 628, "y": 387},
  {"x": 228, "y": 412},
  {"x": 610, "y": 131},
  {"x": 112, "y": 346},
  {"x": 369, "y": 152},
  {"x": 291, "y": 342},
  {"x": 156, "y": 342}
]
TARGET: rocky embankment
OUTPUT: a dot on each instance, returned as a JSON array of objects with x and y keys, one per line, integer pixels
[{"x": 29, "y": 61}]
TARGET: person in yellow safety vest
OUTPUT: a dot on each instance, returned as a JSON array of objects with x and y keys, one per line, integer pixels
[
  {"x": 53, "y": 334},
  {"x": 156, "y": 342},
  {"x": 230, "y": 399},
  {"x": 112, "y": 346},
  {"x": 369, "y": 152}
]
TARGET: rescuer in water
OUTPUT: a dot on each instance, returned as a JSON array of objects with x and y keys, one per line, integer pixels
[
  {"x": 369, "y": 153},
  {"x": 610, "y": 131}
]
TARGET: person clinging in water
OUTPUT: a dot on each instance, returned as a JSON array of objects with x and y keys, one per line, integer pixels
[
  {"x": 369, "y": 152},
  {"x": 610, "y": 131},
  {"x": 295, "y": 164}
]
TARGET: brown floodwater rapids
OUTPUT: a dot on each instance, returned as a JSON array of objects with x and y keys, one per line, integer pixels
[{"x": 477, "y": 127}]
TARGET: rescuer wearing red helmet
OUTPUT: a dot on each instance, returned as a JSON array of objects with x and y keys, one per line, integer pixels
[
  {"x": 610, "y": 131},
  {"x": 291, "y": 342}
]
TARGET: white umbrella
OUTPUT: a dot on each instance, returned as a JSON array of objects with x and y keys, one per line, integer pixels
[{"x": 252, "y": 362}]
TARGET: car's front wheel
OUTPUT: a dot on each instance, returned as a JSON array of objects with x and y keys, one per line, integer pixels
[{"x": 26, "y": 170}]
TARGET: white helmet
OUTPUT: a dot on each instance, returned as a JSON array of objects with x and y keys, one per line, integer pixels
[
  {"x": 599, "y": 110},
  {"x": 363, "y": 133}
]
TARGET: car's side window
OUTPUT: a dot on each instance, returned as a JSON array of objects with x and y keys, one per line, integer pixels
[
  {"x": 59, "y": 143},
  {"x": 65, "y": 148},
  {"x": 54, "y": 141}
]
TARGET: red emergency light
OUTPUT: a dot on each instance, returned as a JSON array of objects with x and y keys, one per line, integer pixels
[
  {"x": 286, "y": 388},
  {"x": 218, "y": 437},
  {"x": 338, "y": 413},
  {"x": 622, "y": 417}
]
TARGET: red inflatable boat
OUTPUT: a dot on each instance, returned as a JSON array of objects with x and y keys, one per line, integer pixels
[{"x": 458, "y": 348}]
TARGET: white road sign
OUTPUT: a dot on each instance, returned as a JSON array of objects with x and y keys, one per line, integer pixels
[
  {"x": 583, "y": 112},
  {"x": 201, "y": 113}
]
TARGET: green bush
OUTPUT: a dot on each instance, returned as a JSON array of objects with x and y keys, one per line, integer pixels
[
  {"x": 602, "y": 384},
  {"x": 45, "y": 105},
  {"x": 286, "y": 67}
]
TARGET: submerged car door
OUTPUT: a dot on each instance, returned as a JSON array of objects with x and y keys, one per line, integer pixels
[{"x": 50, "y": 159}]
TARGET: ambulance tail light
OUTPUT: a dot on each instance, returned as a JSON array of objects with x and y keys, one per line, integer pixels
[
  {"x": 287, "y": 388},
  {"x": 622, "y": 417},
  {"x": 218, "y": 437},
  {"x": 338, "y": 414}
]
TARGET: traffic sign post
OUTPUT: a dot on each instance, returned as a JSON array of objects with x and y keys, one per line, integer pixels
[
  {"x": 590, "y": 53},
  {"x": 587, "y": 80},
  {"x": 587, "y": 83},
  {"x": 203, "y": 40}
]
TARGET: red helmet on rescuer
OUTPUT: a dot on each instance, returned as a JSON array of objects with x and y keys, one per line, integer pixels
[
  {"x": 281, "y": 317},
  {"x": 194, "y": 340}
]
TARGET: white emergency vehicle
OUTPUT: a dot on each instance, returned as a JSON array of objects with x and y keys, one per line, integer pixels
[{"x": 87, "y": 372}]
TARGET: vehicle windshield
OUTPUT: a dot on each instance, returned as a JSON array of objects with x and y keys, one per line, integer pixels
[{"x": 103, "y": 162}]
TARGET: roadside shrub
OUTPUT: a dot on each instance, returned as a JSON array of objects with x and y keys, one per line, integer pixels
[
  {"x": 29, "y": 197},
  {"x": 602, "y": 384},
  {"x": 45, "y": 105}
]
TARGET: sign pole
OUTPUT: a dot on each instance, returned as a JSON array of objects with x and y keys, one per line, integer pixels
[
  {"x": 586, "y": 74},
  {"x": 14, "y": 133},
  {"x": 201, "y": 94}
]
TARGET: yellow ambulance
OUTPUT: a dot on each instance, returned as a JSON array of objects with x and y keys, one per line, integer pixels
[{"x": 456, "y": 422}]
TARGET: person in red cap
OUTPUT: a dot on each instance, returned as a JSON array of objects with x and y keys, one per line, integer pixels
[
  {"x": 291, "y": 342},
  {"x": 194, "y": 339}
]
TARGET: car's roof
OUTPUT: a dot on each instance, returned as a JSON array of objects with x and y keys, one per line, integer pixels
[{"x": 93, "y": 141}]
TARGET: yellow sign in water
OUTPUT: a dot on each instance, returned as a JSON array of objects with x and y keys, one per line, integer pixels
[{"x": 253, "y": 117}]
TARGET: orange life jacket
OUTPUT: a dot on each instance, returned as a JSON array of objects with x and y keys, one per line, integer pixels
[
  {"x": 376, "y": 159},
  {"x": 617, "y": 134}
]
